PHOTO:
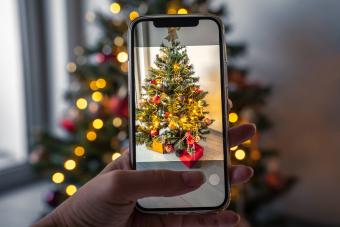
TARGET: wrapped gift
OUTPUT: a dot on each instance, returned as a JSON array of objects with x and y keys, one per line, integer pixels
[
  {"x": 156, "y": 146},
  {"x": 189, "y": 159}
]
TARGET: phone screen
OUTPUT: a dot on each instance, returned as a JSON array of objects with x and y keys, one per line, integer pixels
[{"x": 179, "y": 108}]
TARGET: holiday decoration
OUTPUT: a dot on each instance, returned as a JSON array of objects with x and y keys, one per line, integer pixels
[
  {"x": 190, "y": 158},
  {"x": 98, "y": 90},
  {"x": 177, "y": 117}
]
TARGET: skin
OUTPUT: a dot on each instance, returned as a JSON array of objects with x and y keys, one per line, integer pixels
[{"x": 109, "y": 199}]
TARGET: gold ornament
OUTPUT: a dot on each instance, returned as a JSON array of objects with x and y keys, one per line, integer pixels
[
  {"x": 176, "y": 67},
  {"x": 197, "y": 139},
  {"x": 172, "y": 125}
]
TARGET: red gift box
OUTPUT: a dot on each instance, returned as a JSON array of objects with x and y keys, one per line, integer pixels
[{"x": 190, "y": 159}]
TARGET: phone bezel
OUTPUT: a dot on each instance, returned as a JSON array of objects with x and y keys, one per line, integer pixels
[{"x": 223, "y": 76}]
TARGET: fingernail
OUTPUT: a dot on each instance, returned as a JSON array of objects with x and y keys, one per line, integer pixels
[{"x": 193, "y": 178}]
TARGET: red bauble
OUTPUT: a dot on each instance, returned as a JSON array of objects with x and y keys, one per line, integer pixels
[
  {"x": 118, "y": 106},
  {"x": 154, "y": 82},
  {"x": 197, "y": 90},
  {"x": 190, "y": 139},
  {"x": 154, "y": 132},
  {"x": 166, "y": 114},
  {"x": 156, "y": 99},
  {"x": 274, "y": 180},
  {"x": 68, "y": 125}
]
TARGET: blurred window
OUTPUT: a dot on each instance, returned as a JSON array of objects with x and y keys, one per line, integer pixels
[{"x": 13, "y": 136}]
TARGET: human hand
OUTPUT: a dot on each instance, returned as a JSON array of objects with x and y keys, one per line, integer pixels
[{"x": 109, "y": 199}]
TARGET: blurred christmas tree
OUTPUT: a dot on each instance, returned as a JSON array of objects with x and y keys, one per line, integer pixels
[{"x": 96, "y": 121}]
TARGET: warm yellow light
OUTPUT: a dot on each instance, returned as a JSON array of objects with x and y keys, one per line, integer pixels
[
  {"x": 171, "y": 11},
  {"x": 240, "y": 154},
  {"x": 115, "y": 156},
  {"x": 233, "y": 117},
  {"x": 97, "y": 96},
  {"x": 97, "y": 123},
  {"x": 233, "y": 148},
  {"x": 79, "y": 151},
  {"x": 247, "y": 142},
  {"x": 58, "y": 177},
  {"x": 101, "y": 83},
  {"x": 70, "y": 164},
  {"x": 71, "y": 189},
  {"x": 133, "y": 15},
  {"x": 71, "y": 67},
  {"x": 182, "y": 11},
  {"x": 255, "y": 154},
  {"x": 124, "y": 67},
  {"x": 118, "y": 41},
  {"x": 93, "y": 85},
  {"x": 122, "y": 57},
  {"x": 81, "y": 103},
  {"x": 91, "y": 135},
  {"x": 117, "y": 122},
  {"x": 115, "y": 7}
]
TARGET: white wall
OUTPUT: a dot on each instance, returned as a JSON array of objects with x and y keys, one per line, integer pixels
[{"x": 295, "y": 46}]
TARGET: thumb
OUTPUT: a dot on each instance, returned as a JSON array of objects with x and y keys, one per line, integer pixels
[{"x": 132, "y": 185}]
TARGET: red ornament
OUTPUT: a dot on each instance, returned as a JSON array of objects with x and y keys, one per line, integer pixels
[
  {"x": 190, "y": 139},
  {"x": 100, "y": 58},
  {"x": 274, "y": 180},
  {"x": 118, "y": 106},
  {"x": 156, "y": 99},
  {"x": 169, "y": 148},
  {"x": 68, "y": 125},
  {"x": 154, "y": 132},
  {"x": 197, "y": 90},
  {"x": 154, "y": 82},
  {"x": 166, "y": 114}
]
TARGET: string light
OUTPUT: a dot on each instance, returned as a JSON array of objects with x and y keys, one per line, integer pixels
[
  {"x": 255, "y": 154},
  {"x": 97, "y": 96},
  {"x": 71, "y": 67},
  {"x": 115, "y": 156},
  {"x": 122, "y": 57},
  {"x": 71, "y": 189},
  {"x": 101, "y": 83},
  {"x": 70, "y": 164},
  {"x": 79, "y": 151},
  {"x": 182, "y": 11},
  {"x": 97, "y": 123},
  {"x": 58, "y": 177},
  {"x": 115, "y": 8},
  {"x": 247, "y": 142},
  {"x": 91, "y": 135},
  {"x": 233, "y": 117},
  {"x": 118, "y": 41},
  {"x": 124, "y": 67},
  {"x": 233, "y": 148},
  {"x": 81, "y": 103},
  {"x": 93, "y": 85},
  {"x": 133, "y": 15},
  {"x": 171, "y": 11},
  {"x": 117, "y": 122},
  {"x": 240, "y": 154}
]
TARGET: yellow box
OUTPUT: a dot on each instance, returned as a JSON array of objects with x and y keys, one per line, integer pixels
[{"x": 156, "y": 146}]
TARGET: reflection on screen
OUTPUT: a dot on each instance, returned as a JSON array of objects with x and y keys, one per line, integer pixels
[{"x": 178, "y": 116}]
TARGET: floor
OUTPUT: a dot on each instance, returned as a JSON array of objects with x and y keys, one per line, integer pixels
[{"x": 23, "y": 206}]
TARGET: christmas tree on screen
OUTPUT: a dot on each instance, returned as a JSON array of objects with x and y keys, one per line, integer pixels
[
  {"x": 97, "y": 116},
  {"x": 172, "y": 111}
]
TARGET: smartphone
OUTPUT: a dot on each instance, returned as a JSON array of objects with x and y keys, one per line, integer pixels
[{"x": 178, "y": 109}]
